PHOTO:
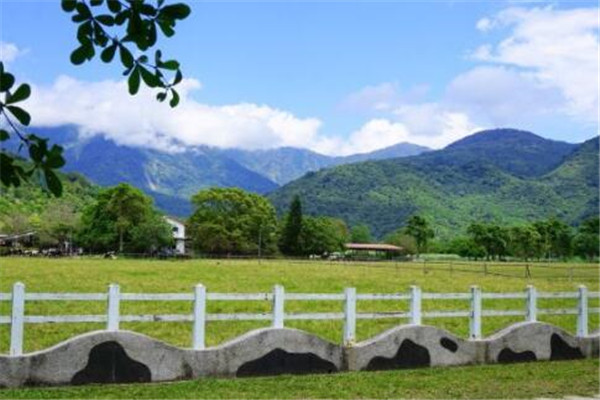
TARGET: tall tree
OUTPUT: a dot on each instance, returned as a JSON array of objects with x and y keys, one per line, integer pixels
[
  {"x": 111, "y": 221},
  {"x": 290, "y": 235},
  {"x": 231, "y": 220},
  {"x": 419, "y": 229}
]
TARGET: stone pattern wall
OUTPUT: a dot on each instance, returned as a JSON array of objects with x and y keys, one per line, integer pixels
[{"x": 125, "y": 357}]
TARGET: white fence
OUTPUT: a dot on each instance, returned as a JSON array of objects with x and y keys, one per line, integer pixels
[{"x": 278, "y": 316}]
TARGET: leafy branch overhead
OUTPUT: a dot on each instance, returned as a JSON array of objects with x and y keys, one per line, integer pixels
[
  {"x": 108, "y": 26},
  {"x": 44, "y": 159},
  {"x": 104, "y": 26}
]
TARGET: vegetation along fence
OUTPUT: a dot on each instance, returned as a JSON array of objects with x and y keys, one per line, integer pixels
[{"x": 277, "y": 316}]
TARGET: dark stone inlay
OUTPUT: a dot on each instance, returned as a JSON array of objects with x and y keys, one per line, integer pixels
[
  {"x": 509, "y": 356},
  {"x": 560, "y": 350},
  {"x": 109, "y": 363},
  {"x": 409, "y": 355},
  {"x": 279, "y": 361},
  {"x": 449, "y": 344}
]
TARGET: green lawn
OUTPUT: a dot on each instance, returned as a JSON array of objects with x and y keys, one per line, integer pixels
[
  {"x": 529, "y": 380},
  {"x": 93, "y": 275}
]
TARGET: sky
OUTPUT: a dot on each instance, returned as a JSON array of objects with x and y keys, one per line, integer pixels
[{"x": 336, "y": 77}]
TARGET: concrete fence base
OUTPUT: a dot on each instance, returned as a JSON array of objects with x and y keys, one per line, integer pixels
[{"x": 126, "y": 357}]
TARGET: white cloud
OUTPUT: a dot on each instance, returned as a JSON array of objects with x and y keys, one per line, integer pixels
[
  {"x": 106, "y": 108},
  {"x": 502, "y": 96},
  {"x": 9, "y": 52},
  {"x": 382, "y": 97},
  {"x": 557, "y": 48}
]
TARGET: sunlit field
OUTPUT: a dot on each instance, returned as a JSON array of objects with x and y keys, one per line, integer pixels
[{"x": 251, "y": 276}]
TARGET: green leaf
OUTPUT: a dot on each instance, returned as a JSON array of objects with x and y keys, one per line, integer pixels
[
  {"x": 126, "y": 56},
  {"x": 96, "y": 3},
  {"x": 4, "y": 135},
  {"x": 134, "y": 81},
  {"x": 108, "y": 53},
  {"x": 175, "y": 100},
  {"x": 54, "y": 158},
  {"x": 171, "y": 64},
  {"x": 22, "y": 93},
  {"x": 114, "y": 5},
  {"x": 20, "y": 114},
  {"x": 178, "y": 77},
  {"x": 83, "y": 10},
  {"x": 53, "y": 182},
  {"x": 150, "y": 79},
  {"x": 121, "y": 17},
  {"x": 84, "y": 32},
  {"x": 79, "y": 55},
  {"x": 148, "y": 9},
  {"x": 68, "y": 5},
  {"x": 105, "y": 19},
  {"x": 176, "y": 11},
  {"x": 6, "y": 81},
  {"x": 166, "y": 28},
  {"x": 161, "y": 96}
]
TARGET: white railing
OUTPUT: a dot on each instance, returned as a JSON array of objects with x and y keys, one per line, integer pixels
[{"x": 278, "y": 316}]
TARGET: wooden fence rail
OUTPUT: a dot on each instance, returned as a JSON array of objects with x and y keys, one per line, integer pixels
[{"x": 199, "y": 298}]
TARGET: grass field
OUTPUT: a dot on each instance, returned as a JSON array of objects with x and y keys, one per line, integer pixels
[
  {"x": 550, "y": 379},
  {"x": 152, "y": 276}
]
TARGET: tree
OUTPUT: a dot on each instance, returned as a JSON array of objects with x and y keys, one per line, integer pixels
[
  {"x": 290, "y": 234},
  {"x": 231, "y": 220},
  {"x": 322, "y": 235},
  {"x": 587, "y": 240},
  {"x": 151, "y": 234},
  {"x": 360, "y": 234},
  {"x": 114, "y": 220},
  {"x": 525, "y": 241},
  {"x": 59, "y": 224},
  {"x": 104, "y": 26},
  {"x": 419, "y": 229},
  {"x": 401, "y": 239},
  {"x": 491, "y": 237}
]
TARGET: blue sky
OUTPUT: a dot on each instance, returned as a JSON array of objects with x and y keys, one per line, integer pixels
[{"x": 336, "y": 77}]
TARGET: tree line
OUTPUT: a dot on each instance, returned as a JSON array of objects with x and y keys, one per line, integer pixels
[{"x": 231, "y": 221}]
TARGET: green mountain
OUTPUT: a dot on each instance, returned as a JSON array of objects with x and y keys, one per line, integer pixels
[
  {"x": 29, "y": 199},
  {"x": 504, "y": 175},
  {"x": 171, "y": 178}
]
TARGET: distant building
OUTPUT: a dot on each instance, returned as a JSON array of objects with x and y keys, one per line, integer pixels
[{"x": 178, "y": 228}]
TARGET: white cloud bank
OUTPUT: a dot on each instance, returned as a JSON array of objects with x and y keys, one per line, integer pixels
[{"x": 547, "y": 65}]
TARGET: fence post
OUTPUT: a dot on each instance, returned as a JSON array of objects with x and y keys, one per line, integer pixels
[
  {"x": 17, "y": 319},
  {"x": 199, "y": 317},
  {"x": 114, "y": 294},
  {"x": 278, "y": 298},
  {"x": 531, "y": 314},
  {"x": 349, "y": 316},
  {"x": 582, "y": 312},
  {"x": 415, "y": 305},
  {"x": 475, "y": 320}
]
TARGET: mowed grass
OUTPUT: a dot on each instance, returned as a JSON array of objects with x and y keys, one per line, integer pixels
[
  {"x": 516, "y": 381},
  {"x": 90, "y": 275}
]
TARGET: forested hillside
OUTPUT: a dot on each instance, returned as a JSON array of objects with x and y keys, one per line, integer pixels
[{"x": 506, "y": 176}]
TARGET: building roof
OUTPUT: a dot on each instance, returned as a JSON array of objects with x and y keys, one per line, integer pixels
[{"x": 372, "y": 247}]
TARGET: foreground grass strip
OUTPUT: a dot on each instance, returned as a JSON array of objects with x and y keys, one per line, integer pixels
[{"x": 528, "y": 380}]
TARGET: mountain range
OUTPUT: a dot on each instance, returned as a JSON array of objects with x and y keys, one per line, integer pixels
[
  {"x": 504, "y": 175},
  {"x": 171, "y": 178}
]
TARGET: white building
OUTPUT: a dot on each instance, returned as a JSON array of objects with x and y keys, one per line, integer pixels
[{"x": 178, "y": 228}]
